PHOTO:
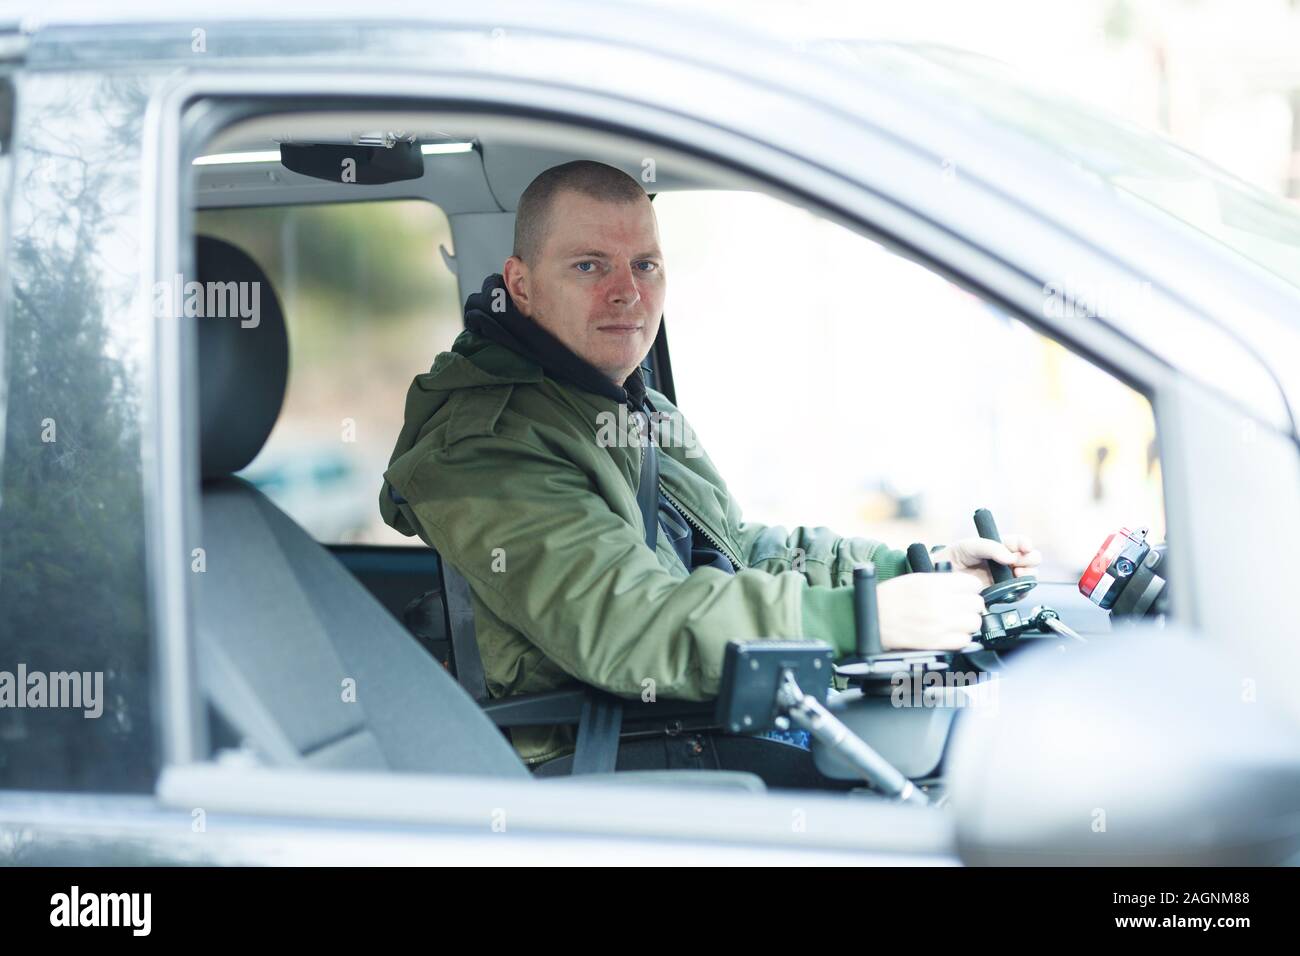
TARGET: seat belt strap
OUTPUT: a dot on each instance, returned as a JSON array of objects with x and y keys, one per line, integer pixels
[
  {"x": 602, "y": 714},
  {"x": 466, "y": 661}
]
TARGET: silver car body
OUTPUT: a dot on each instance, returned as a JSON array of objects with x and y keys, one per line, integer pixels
[{"x": 880, "y": 137}]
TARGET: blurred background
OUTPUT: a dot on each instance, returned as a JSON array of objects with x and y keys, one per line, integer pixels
[
  {"x": 1220, "y": 77},
  {"x": 368, "y": 302},
  {"x": 795, "y": 341}
]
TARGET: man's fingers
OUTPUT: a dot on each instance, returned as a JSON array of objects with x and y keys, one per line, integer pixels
[
  {"x": 962, "y": 581},
  {"x": 1018, "y": 542},
  {"x": 986, "y": 549},
  {"x": 953, "y": 634},
  {"x": 1015, "y": 551},
  {"x": 954, "y": 641},
  {"x": 964, "y": 616},
  {"x": 1028, "y": 563}
]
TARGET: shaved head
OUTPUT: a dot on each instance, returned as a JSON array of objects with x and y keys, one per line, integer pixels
[{"x": 584, "y": 177}]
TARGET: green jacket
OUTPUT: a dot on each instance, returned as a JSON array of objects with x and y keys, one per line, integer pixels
[{"x": 527, "y": 486}]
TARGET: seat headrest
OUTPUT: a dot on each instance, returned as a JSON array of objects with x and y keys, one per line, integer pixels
[{"x": 243, "y": 361}]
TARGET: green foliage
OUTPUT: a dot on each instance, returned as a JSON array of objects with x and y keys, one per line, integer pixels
[{"x": 380, "y": 259}]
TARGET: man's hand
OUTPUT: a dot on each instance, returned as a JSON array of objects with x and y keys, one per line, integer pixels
[
  {"x": 929, "y": 612},
  {"x": 969, "y": 555}
]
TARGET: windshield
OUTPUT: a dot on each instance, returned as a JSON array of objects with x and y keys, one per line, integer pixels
[{"x": 1140, "y": 165}]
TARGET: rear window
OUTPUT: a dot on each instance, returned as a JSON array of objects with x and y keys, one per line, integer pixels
[{"x": 368, "y": 302}]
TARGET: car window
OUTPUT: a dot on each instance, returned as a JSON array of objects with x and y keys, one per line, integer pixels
[
  {"x": 77, "y": 710},
  {"x": 836, "y": 383},
  {"x": 1138, "y": 164},
  {"x": 368, "y": 302},
  {"x": 6, "y": 135}
]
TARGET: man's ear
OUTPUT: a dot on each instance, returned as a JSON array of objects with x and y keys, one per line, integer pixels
[{"x": 515, "y": 272}]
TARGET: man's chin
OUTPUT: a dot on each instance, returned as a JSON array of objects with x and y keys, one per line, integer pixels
[
  {"x": 620, "y": 373},
  {"x": 611, "y": 362}
]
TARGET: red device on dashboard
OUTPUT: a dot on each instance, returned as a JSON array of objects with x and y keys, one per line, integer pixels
[{"x": 1112, "y": 568}]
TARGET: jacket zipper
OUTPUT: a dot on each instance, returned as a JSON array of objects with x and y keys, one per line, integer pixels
[{"x": 691, "y": 520}]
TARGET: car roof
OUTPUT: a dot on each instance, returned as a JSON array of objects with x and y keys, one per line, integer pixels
[{"x": 616, "y": 17}]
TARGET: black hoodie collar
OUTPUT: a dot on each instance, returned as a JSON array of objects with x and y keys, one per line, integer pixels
[{"x": 517, "y": 332}]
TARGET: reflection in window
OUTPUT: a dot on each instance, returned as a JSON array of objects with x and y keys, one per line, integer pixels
[{"x": 75, "y": 634}]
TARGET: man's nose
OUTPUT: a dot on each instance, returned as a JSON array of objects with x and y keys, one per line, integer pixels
[{"x": 622, "y": 287}]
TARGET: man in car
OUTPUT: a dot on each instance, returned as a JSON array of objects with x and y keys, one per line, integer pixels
[{"x": 517, "y": 463}]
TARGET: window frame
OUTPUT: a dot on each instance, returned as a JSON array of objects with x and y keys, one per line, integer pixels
[{"x": 799, "y": 179}]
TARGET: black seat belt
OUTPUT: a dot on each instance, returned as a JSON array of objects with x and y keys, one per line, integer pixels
[
  {"x": 466, "y": 662},
  {"x": 602, "y": 713}
]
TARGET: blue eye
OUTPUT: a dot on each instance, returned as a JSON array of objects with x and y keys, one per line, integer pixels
[
  {"x": 647, "y": 262},
  {"x": 579, "y": 266}
]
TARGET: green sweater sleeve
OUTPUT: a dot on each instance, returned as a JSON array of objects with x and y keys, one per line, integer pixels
[
  {"x": 826, "y": 613},
  {"x": 889, "y": 563}
]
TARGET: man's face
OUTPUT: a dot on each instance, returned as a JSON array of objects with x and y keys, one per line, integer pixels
[{"x": 598, "y": 281}]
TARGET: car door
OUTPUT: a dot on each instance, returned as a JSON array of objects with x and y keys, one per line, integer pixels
[{"x": 800, "y": 141}]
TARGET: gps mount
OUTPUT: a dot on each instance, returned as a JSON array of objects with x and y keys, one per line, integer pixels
[{"x": 776, "y": 685}]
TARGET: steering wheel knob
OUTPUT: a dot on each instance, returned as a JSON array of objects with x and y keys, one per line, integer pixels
[{"x": 1008, "y": 592}]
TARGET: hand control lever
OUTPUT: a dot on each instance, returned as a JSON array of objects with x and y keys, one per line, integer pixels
[
  {"x": 866, "y": 611},
  {"x": 1006, "y": 587}
]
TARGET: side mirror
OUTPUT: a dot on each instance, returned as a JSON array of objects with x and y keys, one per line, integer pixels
[{"x": 1145, "y": 748}]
